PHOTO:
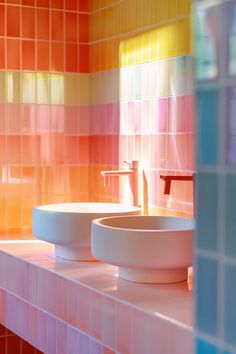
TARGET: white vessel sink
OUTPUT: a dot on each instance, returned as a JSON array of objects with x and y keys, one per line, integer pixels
[
  {"x": 147, "y": 249},
  {"x": 68, "y": 225}
]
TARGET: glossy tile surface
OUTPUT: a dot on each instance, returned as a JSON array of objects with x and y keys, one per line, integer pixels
[
  {"x": 216, "y": 176},
  {"x": 92, "y": 299}
]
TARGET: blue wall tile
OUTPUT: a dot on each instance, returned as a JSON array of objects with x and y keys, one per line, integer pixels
[
  {"x": 207, "y": 124},
  {"x": 231, "y": 125},
  {"x": 230, "y": 307},
  {"x": 207, "y": 203},
  {"x": 206, "y": 295},
  {"x": 203, "y": 347},
  {"x": 230, "y": 217}
]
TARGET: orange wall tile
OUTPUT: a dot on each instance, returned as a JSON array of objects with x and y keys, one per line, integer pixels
[{"x": 44, "y": 113}]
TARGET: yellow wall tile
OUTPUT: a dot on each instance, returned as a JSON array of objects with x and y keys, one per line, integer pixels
[
  {"x": 183, "y": 35},
  {"x": 184, "y": 7},
  {"x": 172, "y": 9},
  {"x": 163, "y": 49},
  {"x": 2, "y": 86},
  {"x": 172, "y": 40},
  {"x": 162, "y": 11},
  {"x": 83, "y": 93},
  {"x": 13, "y": 86},
  {"x": 57, "y": 88},
  {"x": 29, "y": 87},
  {"x": 71, "y": 89},
  {"x": 43, "y": 88},
  {"x": 154, "y": 12}
]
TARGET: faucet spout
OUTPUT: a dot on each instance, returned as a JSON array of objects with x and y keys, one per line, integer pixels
[{"x": 132, "y": 172}]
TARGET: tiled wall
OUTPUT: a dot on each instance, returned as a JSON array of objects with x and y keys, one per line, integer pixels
[
  {"x": 141, "y": 97},
  {"x": 44, "y": 106},
  {"x": 12, "y": 344},
  {"x": 215, "y": 36},
  {"x": 83, "y": 88}
]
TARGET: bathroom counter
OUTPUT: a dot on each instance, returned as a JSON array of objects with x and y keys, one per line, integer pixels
[{"x": 71, "y": 307}]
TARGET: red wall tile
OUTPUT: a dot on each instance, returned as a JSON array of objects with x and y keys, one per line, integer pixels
[
  {"x": 57, "y": 25},
  {"x": 58, "y": 4},
  {"x": 71, "y": 57},
  {"x": 28, "y": 55},
  {"x": 3, "y": 345},
  {"x": 2, "y": 53},
  {"x": 13, "y": 345},
  {"x": 2, "y": 20},
  {"x": 28, "y": 2},
  {"x": 71, "y": 5},
  {"x": 83, "y": 5},
  {"x": 43, "y": 59},
  {"x": 43, "y": 3},
  {"x": 13, "y": 21},
  {"x": 83, "y": 28},
  {"x": 28, "y": 22},
  {"x": 71, "y": 26},
  {"x": 42, "y": 23},
  {"x": 57, "y": 56},
  {"x": 84, "y": 58},
  {"x": 13, "y": 54}
]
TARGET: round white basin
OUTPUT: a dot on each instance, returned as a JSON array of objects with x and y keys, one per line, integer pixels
[
  {"x": 68, "y": 225},
  {"x": 147, "y": 249}
]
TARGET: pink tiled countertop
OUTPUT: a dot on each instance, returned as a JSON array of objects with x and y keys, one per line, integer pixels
[{"x": 83, "y": 307}]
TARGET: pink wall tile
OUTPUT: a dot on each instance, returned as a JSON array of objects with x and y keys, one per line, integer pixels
[
  {"x": 83, "y": 116},
  {"x": 123, "y": 328},
  {"x": 43, "y": 119},
  {"x": 2, "y": 307},
  {"x": 95, "y": 347},
  {"x": 72, "y": 307},
  {"x": 61, "y": 338},
  {"x": 33, "y": 325},
  {"x": 42, "y": 332},
  {"x": 190, "y": 151},
  {"x": 96, "y": 320},
  {"x": 146, "y": 336},
  {"x": 28, "y": 120},
  {"x": 109, "y": 322},
  {"x": 51, "y": 337},
  {"x": 13, "y": 118},
  {"x": 84, "y": 296},
  {"x": 57, "y": 119},
  {"x": 84, "y": 344},
  {"x": 163, "y": 114},
  {"x": 72, "y": 341}
]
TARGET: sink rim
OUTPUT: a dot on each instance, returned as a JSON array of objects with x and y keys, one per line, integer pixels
[
  {"x": 103, "y": 223},
  {"x": 112, "y": 208},
  {"x": 143, "y": 255}
]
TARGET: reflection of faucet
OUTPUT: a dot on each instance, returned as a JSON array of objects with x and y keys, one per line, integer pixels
[
  {"x": 170, "y": 178},
  {"x": 132, "y": 172}
]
